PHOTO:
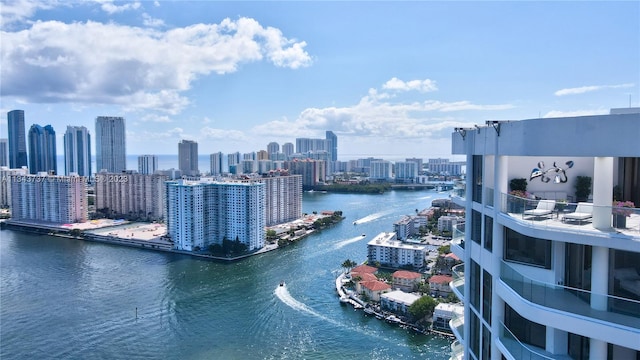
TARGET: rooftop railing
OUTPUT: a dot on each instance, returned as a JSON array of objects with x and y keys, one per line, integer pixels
[
  {"x": 573, "y": 301},
  {"x": 457, "y": 326}
]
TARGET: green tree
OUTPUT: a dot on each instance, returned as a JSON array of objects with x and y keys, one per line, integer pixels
[
  {"x": 422, "y": 307},
  {"x": 349, "y": 264}
]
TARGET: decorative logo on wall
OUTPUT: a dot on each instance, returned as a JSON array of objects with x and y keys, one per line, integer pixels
[{"x": 545, "y": 175}]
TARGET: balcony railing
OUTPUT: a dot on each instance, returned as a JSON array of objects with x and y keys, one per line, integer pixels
[
  {"x": 521, "y": 351},
  {"x": 622, "y": 311},
  {"x": 457, "y": 285},
  {"x": 457, "y": 326},
  {"x": 457, "y": 351},
  {"x": 562, "y": 215}
]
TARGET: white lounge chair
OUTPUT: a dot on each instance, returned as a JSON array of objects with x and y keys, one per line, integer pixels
[
  {"x": 544, "y": 208},
  {"x": 583, "y": 212}
]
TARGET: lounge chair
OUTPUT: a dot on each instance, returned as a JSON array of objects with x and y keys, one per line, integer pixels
[
  {"x": 544, "y": 208},
  {"x": 583, "y": 212}
]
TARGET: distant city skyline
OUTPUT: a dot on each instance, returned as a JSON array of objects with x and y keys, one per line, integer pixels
[{"x": 389, "y": 79}]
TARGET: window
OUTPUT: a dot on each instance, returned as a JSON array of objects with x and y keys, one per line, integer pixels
[
  {"x": 527, "y": 250},
  {"x": 476, "y": 226},
  {"x": 526, "y": 331},
  {"x": 474, "y": 334},
  {"x": 488, "y": 233},
  {"x": 486, "y": 343},
  {"x": 477, "y": 178},
  {"x": 474, "y": 289},
  {"x": 486, "y": 296}
]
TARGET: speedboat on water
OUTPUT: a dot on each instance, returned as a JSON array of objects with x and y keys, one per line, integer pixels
[{"x": 282, "y": 283}]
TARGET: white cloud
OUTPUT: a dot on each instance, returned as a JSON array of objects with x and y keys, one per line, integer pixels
[
  {"x": 155, "y": 118},
  {"x": 396, "y": 84},
  {"x": 138, "y": 68},
  {"x": 585, "y": 89},
  {"x": 12, "y": 11},
  {"x": 558, "y": 113},
  {"x": 109, "y": 7},
  {"x": 377, "y": 117},
  {"x": 208, "y": 133},
  {"x": 149, "y": 21}
]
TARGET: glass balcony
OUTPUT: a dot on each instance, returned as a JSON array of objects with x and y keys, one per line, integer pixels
[
  {"x": 457, "y": 240},
  {"x": 457, "y": 351},
  {"x": 570, "y": 217},
  {"x": 573, "y": 301},
  {"x": 457, "y": 326},
  {"x": 457, "y": 285},
  {"x": 521, "y": 351},
  {"x": 488, "y": 196}
]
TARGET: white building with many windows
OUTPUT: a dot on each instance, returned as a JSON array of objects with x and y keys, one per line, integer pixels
[
  {"x": 555, "y": 275},
  {"x": 48, "y": 199},
  {"x": 206, "y": 212},
  {"x": 130, "y": 195},
  {"x": 388, "y": 251}
]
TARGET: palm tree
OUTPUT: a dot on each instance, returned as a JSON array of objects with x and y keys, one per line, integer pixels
[{"x": 349, "y": 264}]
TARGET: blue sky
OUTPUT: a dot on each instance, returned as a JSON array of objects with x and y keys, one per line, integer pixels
[{"x": 391, "y": 79}]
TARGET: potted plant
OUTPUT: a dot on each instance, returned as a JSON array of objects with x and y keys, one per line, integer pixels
[
  {"x": 621, "y": 210},
  {"x": 518, "y": 188},
  {"x": 583, "y": 188}
]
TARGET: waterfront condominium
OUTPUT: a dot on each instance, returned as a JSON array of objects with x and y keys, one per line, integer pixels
[
  {"x": 283, "y": 197},
  {"x": 77, "y": 151},
  {"x": 313, "y": 171},
  {"x": 17, "y": 139},
  {"x": 147, "y": 164},
  {"x": 48, "y": 199},
  {"x": 206, "y": 212},
  {"x": 111, "y": 154},
  {"x": 386, "y": 250},
  {"x": 216, "y": 163},
  {"x": 131, "y": 195},
  {"x": 42, "y": 149},
  {"x": 188, "y": 157},
  {"x": 551, "y": 270},
  {"x": 5, "y": 184}
]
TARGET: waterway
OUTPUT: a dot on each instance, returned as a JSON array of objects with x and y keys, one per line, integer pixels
[{"x": 69, "y": 299}]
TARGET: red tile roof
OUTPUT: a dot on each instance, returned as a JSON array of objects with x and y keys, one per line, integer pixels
[
  {"x": 440, "y": 279},
  {"x": 404, "y": 274},
  {"x": 452, "y": 256},
  {"x": 375, "y": 285},
  {"x": 364, "y": 276},
  {"x": 364, "y": 269}
]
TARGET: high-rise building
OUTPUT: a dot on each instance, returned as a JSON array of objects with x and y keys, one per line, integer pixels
[
  {"x": 131, "y": 195},
  {"x": 273, "y": 148},
  {"x": 287, "y": 150},
  {"x": 42, "y": 149},
  {"x": 51, "y": 199},
  {"x": 387, "y": 250},
  {"x": 312, "y": 171},
  {"x": 77, "y": 151},
  {"x": 147, "y": 164},
  {"x": 233, "y": 158},
  {"x": 283, "y": 200},
  {"x": 406, "y": 171},
  {"x": 332, "y": 145},
  {"x": 555, "y": 275},
  {"x": 203, "y": 213},
  {"x": 262, "y": 155},
  {"x": 5, "y": 184},
  {"x": 111, "y": 154},
  {"x": 216, "y": 162},
  {"x": 4, "y": 152},
  {"x": 188, "y": 157},
  {"x": 17, "y": 139},
  {"x": 380, "y": 170}
]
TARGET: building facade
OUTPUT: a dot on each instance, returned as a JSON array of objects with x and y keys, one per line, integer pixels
[
  {"x": 4, "y": 152},
  {"x": 17, "y": 139},
  {"x": 147, "y": 164},
  {"x": 216, "y": 163},
  {"x": 42, "y": 149},
  {"x": 388, "y": 251},
  {"x": 130, "y": 195},
  {"x": 283, "y": 198},
  {"x": 381, "y": 170},
  {"x": 111, "y": 151},
  {"x": 206, "y": 212},
  {"x": 549, "y": 287},
  {"x": 313, "y": 171},
  {"x": 406, "y": 172},
  {"x": 77, "y": 151},
  {"x": 48, "y": 199},
  {"x": 5, "y": 184},
  {"x": 188, "y": 157}
]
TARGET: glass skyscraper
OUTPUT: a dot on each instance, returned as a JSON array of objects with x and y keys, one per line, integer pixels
[
  {"x": 17, "y": 139},
  {"x": 42, "y": 149},
  {"x": 111, "y": 154},
  {"x": 77, "y": 151}
]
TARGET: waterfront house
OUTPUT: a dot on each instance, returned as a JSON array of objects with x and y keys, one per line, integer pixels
[
  {"x": 374, "y": 288},
  {"x": 406, "y": 280},
  {"x": 397, "y": 301},
  {"x": 439, "y": 285}
]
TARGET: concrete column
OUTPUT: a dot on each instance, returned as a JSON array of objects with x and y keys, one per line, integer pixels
[
  {"x": 497, "y": 317},
  {"x": 599, "y": 289},
  {"x": 497, "y": 307},
  {"x": 602, "y": 192}
]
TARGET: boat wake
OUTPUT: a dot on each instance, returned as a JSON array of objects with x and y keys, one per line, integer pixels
[
  {"x": 346, "y": 242},
  {"x": 283, "y": 294},
  {"x": 371, "y": 217}
]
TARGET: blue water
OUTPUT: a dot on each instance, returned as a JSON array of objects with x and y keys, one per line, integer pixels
[{"x": 69, "y": 299}]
